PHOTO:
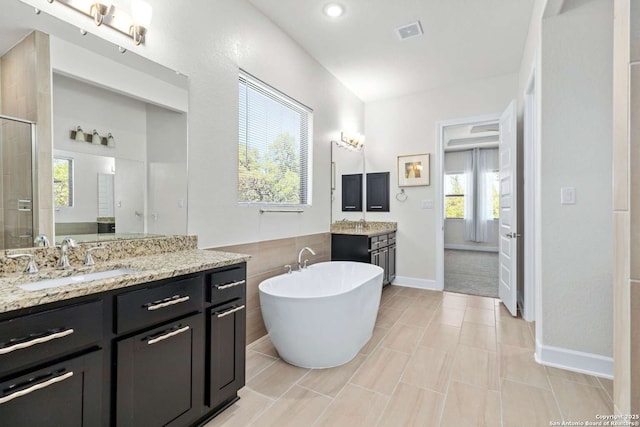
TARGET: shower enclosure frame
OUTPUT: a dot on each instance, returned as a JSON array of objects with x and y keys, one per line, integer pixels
[{"x": 35, "y": 211}]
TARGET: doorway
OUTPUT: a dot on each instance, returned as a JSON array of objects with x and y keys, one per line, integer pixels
[{"x": 470, "y": 178}]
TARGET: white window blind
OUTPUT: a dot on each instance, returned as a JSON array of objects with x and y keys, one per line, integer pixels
[{"x": 274, "y": 149}]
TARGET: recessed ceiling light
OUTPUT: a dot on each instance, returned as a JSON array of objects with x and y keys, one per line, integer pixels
[{"x": 333, "y": 10}]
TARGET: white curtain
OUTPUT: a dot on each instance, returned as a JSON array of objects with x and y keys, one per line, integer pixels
[
  {"x": 469, "y": 193},
  {"x": 484, "y": 199}
]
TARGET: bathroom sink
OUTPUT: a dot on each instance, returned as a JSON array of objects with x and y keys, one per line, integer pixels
[{"x": 70, "y": 280}]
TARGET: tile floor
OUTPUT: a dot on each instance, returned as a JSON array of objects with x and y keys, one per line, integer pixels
[{"x": 435, "y": 359}]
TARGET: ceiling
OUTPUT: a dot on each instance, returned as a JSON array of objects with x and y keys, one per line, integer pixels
[{"x": 463, "y": 40}]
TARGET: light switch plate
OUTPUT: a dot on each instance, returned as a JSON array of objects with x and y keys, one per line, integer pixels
[
  {"x": 427, "y": 204},
  {"x": 568, "y": 196}
]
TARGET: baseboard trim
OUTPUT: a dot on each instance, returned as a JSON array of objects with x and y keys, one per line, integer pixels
[
  {"x": 472, "y": 248},
  {"x": 412, "y": 282},
  {"x": 576, "y": 361}
]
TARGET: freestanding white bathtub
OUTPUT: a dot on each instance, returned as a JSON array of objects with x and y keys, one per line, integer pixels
[{"x": 322, "y": 316}]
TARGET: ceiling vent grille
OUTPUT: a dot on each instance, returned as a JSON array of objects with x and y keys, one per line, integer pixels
[{"x": 408, "y": 31}]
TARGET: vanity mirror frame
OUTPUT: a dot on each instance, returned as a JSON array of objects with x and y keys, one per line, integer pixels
[
  {"x": 19, "y": 21},
  {"x": 337, "y": 174}
]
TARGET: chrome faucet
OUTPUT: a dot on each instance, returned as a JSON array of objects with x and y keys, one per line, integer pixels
[
  {"x": 300, "y": 265},
  {"x": 41, "y": 240},
  {"x": 67, "y": 243}
]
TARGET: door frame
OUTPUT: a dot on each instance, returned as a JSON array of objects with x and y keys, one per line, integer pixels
[
  {"x": 531, "y": 159},
  {"x": 439, "y": 205}
]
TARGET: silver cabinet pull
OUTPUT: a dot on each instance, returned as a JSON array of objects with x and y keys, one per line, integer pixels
[
  {"x": 230, "y": 311},
  {"x": 173, "y": 301},
  {"x": 230, "y": 285},
  {"x": 36, "y": 387},
  {"x": 349, "y": 207},
  {"x": 168, "y": 335},
  {"x": 40, "y": 340},
  {"x": 376, "y": 207}
]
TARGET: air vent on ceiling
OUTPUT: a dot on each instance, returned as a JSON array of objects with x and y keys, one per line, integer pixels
[{"x": 413, "y": 29}]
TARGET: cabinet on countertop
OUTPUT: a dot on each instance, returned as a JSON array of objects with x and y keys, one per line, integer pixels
[
  {"x": 378, "y": 249},
  {"x": 170, "y": 352}
]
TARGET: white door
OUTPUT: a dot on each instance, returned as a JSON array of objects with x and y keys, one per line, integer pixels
[{"x": 508, "y": 255}]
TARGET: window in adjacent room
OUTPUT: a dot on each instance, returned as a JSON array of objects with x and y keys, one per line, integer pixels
[
  {"x": 63, "y": 181},
  {"x": 274, "y": 147},
  {"x": 454, "y": 184}
]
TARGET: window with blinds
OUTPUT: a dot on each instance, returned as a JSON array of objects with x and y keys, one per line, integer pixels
[{"x": 274, "y": 147}]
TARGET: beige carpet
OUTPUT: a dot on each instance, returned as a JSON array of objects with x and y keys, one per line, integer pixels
[{"x": 471, "y": 272}]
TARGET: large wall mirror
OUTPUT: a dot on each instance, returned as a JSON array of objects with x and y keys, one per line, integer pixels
[
  {"x": 346, "y": 167},
  {"x": 115, "y": 135}
]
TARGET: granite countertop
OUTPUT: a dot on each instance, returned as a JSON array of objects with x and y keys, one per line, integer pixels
[
  {"x": 146, "y": 269},
  {"x": 369, "y": 228}
]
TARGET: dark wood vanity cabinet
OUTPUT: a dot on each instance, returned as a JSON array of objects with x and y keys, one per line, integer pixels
[
  {"x": 165, "y": 353},
  {"x": 377, "y": 249}
]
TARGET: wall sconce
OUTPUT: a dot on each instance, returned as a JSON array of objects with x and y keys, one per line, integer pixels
[
  {"x": 351, "y": 141},
  {"x": 134, "y": 25}
]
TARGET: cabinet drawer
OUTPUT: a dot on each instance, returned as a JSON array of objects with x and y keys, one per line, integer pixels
[
  {"x": 228, "y": 284},
  {"x": 36, "y": 337},
  {"x": 65, "y": 394},
  {"x": 145, "y": 307},
  {"x": 392, "y": 239}
]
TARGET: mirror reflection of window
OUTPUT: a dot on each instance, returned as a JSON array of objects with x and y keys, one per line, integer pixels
[{"x": 63, "y": 182}]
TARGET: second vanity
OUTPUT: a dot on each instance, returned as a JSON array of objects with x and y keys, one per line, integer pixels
[{"x": 161, "y": 345}]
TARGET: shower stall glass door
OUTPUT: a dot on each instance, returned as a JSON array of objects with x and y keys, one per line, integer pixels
[{"x": 18, "y": 210}]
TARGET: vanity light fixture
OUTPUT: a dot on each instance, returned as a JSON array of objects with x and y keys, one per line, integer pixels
[
  {"x": 96, "y": 138},
  {"x": 353, "y": 141},
  {"x": 134, "y": 25},
  {"x": 333, "y": 10}
]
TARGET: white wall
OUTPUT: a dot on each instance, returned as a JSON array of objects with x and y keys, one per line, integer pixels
[
  {"x": 129, "y": 198},
  {"x": 407, "y": 125},
  {"x": 209, "y": 46},
  {"x": 576, "y": 141}
]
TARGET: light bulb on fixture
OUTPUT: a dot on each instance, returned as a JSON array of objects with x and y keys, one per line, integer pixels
[
  {"x": 110, "y": 141},
  {"x": 95, "y": 137},
  {"x": 79, "y": 136},
  {"x": 141, "y": 13}
]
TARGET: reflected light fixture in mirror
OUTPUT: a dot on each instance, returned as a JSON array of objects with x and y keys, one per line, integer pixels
[
  {"x": 134, "y": 25},
  {"x": 353, "y": 141},
  {"x": 110, "y": 141}
]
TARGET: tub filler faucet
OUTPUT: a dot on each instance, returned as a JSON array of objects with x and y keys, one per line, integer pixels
[{"x": 302, "y": 266}]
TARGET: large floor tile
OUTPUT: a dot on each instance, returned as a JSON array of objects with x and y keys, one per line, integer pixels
[
  {"x": 481, "y": 302},
  {"x": 516, "y": 334},
  {"x": 264, "y": 346},
  {"x": 443, "y": 337},
  {"x": 525, "y": 406},
  {"x": 388, "y": 316},
  {"x": 518, "y": 364},
  {"x": 453, "y": 300},
  {"x": 403, "y": 338},
  {"x": 452, "y": 316},
  {"x": 298, "y": 407},
  {"x": 378, "y": 334},
  {"x": 417, "y": 315},
  {"x": 481, "y": 316},
  {"x": 256, "y": 363},
  {"x": 572, "y": 376},
  {"x": 397, "y": 301},
  {"x": 381, "y": 371},
  {"x": 242, "y": 412},
  {"x": 275, "y": 380},
  {"x": 476, "y": 367},
  {"x": 429, "y": 368},
  {"x": 479, "y": 336},
  {"x": 468, "y": 405},
  {"x": 330, "y": 381},
  {"x": 412, "y": 406},
  {"x": 607, "y": 384},
  {"x": 354, "y": 407},
  {"x": 580, "y": 402}
]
